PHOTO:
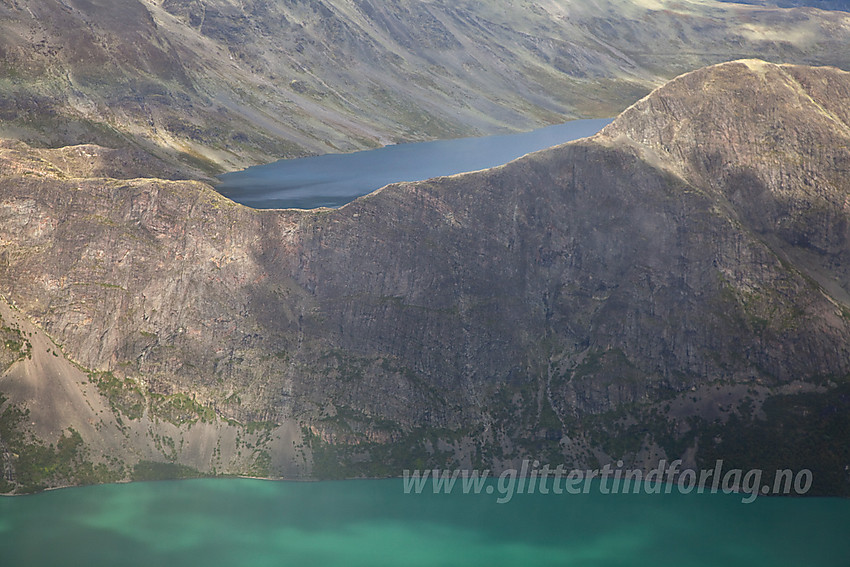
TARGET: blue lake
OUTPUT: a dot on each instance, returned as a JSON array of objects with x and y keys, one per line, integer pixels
[
  {"x": 229, "y": 522},
  {"x": 333, "y": 180}
]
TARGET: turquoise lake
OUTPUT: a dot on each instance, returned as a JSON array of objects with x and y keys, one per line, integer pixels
[
  {"x": 333, "y": 180},
  {"x": 373, "y": 523}
]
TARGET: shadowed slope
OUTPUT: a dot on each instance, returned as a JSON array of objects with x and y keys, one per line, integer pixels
[{"x": 677, "y": 279}]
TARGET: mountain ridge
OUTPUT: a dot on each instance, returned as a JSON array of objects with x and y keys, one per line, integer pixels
[{"x": 649, "y": 292}]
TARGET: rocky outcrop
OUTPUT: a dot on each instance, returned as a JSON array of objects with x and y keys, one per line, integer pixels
[{"x": 638, "y": 294}]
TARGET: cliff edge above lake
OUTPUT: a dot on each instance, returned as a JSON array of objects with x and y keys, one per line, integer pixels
[{"x": 673, "y": 287}]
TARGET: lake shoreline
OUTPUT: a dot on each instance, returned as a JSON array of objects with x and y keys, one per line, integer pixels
[{"x": 333, "y": 180}]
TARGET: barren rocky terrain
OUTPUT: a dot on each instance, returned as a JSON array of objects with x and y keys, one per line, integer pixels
[{"x": 675, "y": 286}]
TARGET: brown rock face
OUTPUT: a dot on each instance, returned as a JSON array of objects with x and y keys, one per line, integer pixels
[{"x": 663, "y": 286}]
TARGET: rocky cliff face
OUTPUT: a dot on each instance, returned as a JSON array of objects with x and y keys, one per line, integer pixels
[
  {"x": 675, "y": 286},
  {"x": 221, "y": 84}
]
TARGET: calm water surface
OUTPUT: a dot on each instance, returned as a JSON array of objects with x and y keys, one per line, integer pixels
[
  {"x": 333, "y": 180},
  {"x": 373, "y": 523}
]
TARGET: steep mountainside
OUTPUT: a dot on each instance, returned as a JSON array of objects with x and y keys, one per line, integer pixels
[
  {"x": 222, "y": 84},
  {"x": 843, "y": 5},
  {"x": 675, "y": 286}
]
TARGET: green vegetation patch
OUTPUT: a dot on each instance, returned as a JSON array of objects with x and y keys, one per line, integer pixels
[
  {"x": 125, "y": 396},
  {"x": 28, "y": 465},
  {"x": 416, "y": 449},
  {"x": 262, "y": 465},
  {"x": 180, "y": 409},
  {"x": 15, "y": 347},
  {"x": 155, "y": 470},
  {"x": 800, "y": 431}
]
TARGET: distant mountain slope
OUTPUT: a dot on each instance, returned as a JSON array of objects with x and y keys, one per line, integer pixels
[
  {"x": 843, "y": 5},
  {"x": 223, "y": 83},
  {"x": 674, "y": 287}
]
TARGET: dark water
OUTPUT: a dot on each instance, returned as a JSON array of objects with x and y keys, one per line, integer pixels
[
  {"x": 373, "y": 523},
  {"x": 333, "y": 180}
]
